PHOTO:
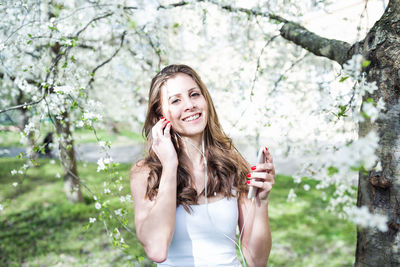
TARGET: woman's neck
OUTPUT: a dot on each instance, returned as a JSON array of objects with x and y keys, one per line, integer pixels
[{"x": 192, "y": 147}]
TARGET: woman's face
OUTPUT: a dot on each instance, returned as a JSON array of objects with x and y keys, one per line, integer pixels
[{"x": 184, "y": 105}]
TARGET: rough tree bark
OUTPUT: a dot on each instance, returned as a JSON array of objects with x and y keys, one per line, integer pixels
[
  {"x": 67, "y": 156},
  {"x": 379, "y": 191}
]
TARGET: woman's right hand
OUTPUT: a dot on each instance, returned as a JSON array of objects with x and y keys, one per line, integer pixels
[{"x": 162, "y": 144}]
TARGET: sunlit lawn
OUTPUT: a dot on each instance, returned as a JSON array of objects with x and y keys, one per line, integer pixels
[{"x": 39, "y": 227}]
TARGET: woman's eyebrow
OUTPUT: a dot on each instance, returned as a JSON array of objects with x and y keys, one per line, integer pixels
[{"x": 189, "y": 90}]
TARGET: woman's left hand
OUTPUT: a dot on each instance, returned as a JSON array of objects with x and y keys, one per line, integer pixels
[{"x": 262, "y": 176}]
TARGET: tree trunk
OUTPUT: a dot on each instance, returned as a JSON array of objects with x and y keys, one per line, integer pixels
[
  {"x": 380, "y": 191},
  {"x": 67, "y": 157},
  {"x": 30, "y": 153}
]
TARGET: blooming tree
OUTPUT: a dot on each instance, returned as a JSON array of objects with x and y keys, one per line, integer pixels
[{"x": 71, "y": 61}]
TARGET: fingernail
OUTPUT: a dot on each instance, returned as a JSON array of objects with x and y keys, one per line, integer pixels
[
  {"x": 168, "y": 122},
  {"x": 253, "y": 168},
  {"x": 248, "y": 182},
  {"x": 266, "y": 148},
  {"x": 248, "y": 175},
  {"x": 162, "y": 118}
]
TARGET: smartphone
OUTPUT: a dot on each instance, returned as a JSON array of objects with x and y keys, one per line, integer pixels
[{"x": 260, "y": 159}]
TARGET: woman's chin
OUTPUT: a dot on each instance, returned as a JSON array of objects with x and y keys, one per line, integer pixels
[{"x": 191, "y": 133}]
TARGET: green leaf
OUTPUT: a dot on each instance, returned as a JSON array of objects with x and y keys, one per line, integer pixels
[
  {"x": 332, "y": 170},
  {"x": 342, "y": 111},
  {"x": 365, "y": 115},
  {"x": 366, "y": 63},
  {"x": 176, "y": 25},
  {"x": 343, "y": 79},
  {"x": 29, "y": 42},
  {"x": 64, "y": 65},
  {"x": 132, "y": 24},
  {"x": 53, "y": 28}
]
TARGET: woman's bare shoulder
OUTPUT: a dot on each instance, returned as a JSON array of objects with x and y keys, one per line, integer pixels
[{"x": 139, "y": 170}]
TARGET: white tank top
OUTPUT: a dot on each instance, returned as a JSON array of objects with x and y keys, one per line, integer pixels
[{"x": 199, "y": 238}]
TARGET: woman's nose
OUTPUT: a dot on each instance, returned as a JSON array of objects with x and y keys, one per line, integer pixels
[{"x": 189, "y": 104}]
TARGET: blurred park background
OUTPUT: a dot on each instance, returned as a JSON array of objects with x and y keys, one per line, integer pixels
[{"x": 80, "y": 70}]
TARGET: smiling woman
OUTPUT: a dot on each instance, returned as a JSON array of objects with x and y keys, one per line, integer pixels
[
  {"x": 190, "y": 190},
  {"x": 184, "y": 105}
]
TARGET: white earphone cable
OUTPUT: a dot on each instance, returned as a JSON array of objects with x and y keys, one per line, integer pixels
[{"x": 238, "y": 245}]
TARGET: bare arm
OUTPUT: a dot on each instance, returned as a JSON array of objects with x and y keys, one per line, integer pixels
[
  {"x": 256, "y": 238},
  {"x": 253, "y": 216},
  {"x": 154, "y": 220}
]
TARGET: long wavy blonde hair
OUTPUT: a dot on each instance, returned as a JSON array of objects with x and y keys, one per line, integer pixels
[{"x": 227, "y": 168}]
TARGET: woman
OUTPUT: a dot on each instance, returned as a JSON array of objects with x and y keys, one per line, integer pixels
[{"x": 190, "y": 192}]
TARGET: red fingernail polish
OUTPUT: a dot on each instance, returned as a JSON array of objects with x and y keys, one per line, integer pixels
[
  {"x": 248, "y": 175},
  {"x": 253, "y": 168},
  {"x": 266, "y": 148},
  {"x": 168, "y": 122},
  {"x": 162, "y": 118},
  {"x": 248, "y": 182}
]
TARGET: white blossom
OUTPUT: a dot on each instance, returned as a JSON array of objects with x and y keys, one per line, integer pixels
[
  {"x": 107, "y": 191},
  {"x": 64, "y": 89},
  {"x": 306, "y": 187},
  {"x": 362, "y": 216},
  {"x": 15, "y": 184},
  {"x": 117, "y": 233},
  {"x": 14, "y": 172},
  {"x": 370, "y": 87},
  {"x": 102, "y": 162},
  {"x": 97, "y": 205},
  {"x": 58, "y": 175},
  {"x": 381, "y": 105},
  {"x": 128, "y": 198},
  {"x": 118, "y": 212},
  {"x": 102, "y": 144},
  {"x": 371, "y": 111},
  {"x": 291, "y": 196},
  {"x": 80, "y": 124},
  {"x": 354, "y": 65},
  {"x": 92, "y": 220},
  {"x": 30, "y": 127},
  {"x": 1, "y": 207}
]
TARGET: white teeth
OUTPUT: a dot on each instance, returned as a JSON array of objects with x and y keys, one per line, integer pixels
[{"x": 192, "y": 117}]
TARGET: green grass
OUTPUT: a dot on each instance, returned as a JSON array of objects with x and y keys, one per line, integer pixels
[
  {"x": 39, "y": 227},
  {"x": 9, "y": 139},
  {"x": 303, "y": 233}
]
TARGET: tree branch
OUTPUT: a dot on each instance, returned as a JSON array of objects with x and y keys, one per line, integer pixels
[
  {"x": 254, "y": 12},
  {"x": 320, "y": 46},
  {"x": 107, "y": 60}
]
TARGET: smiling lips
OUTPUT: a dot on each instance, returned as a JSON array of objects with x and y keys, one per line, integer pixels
[{"x": 192, "y": 117}]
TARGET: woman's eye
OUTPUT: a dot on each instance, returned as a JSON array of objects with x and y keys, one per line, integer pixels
[
  {"x": 195, "y": 94},
  {"x": 175, "y": 101}
]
